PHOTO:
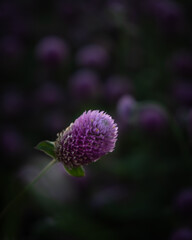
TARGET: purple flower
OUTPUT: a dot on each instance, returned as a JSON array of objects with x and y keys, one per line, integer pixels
[
  {"x": 182, "y": 234},
  {"x": 84, "y": 84},
  {"x": 92, "y": 56},
  {"x": 125, "y": 106},
  {"x": 52, "y": 51},
  {"x": 153, "y": 118},
  {"x": 91, "y": 136}
]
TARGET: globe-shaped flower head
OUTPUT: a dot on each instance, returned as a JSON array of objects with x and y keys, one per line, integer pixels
[{"x": 91, "y": 136}]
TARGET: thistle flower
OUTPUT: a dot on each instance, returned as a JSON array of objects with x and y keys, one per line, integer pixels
[{"x": 91, "y": 136}]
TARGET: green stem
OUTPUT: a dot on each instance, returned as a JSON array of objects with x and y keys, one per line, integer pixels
[{"x": 20, "y": 195}]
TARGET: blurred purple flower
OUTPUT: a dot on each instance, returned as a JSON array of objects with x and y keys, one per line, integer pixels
[
  {"x": 116, "y": 87},
  {"x": 125, "y": 106},
  {"x": 181, "y": 63},
  {"x": 84, "y": 84},
  {"x": 91, "y": 136},
  {"x": 52, "y": 51},
  {"x": 182, "y": 92},
  {"x": 182, "y": 234},
  {"x": 183, "y": 202},
  {"x": 92, "y": 56},
  {"x": 153, "y": 118}
]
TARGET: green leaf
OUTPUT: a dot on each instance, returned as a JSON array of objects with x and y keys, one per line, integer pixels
[
  {"x": 47, "y": 147},
  {"x": 76, "y": 171}
]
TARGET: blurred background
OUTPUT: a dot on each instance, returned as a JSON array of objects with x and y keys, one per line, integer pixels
[{"x": 129, "y": 58}]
